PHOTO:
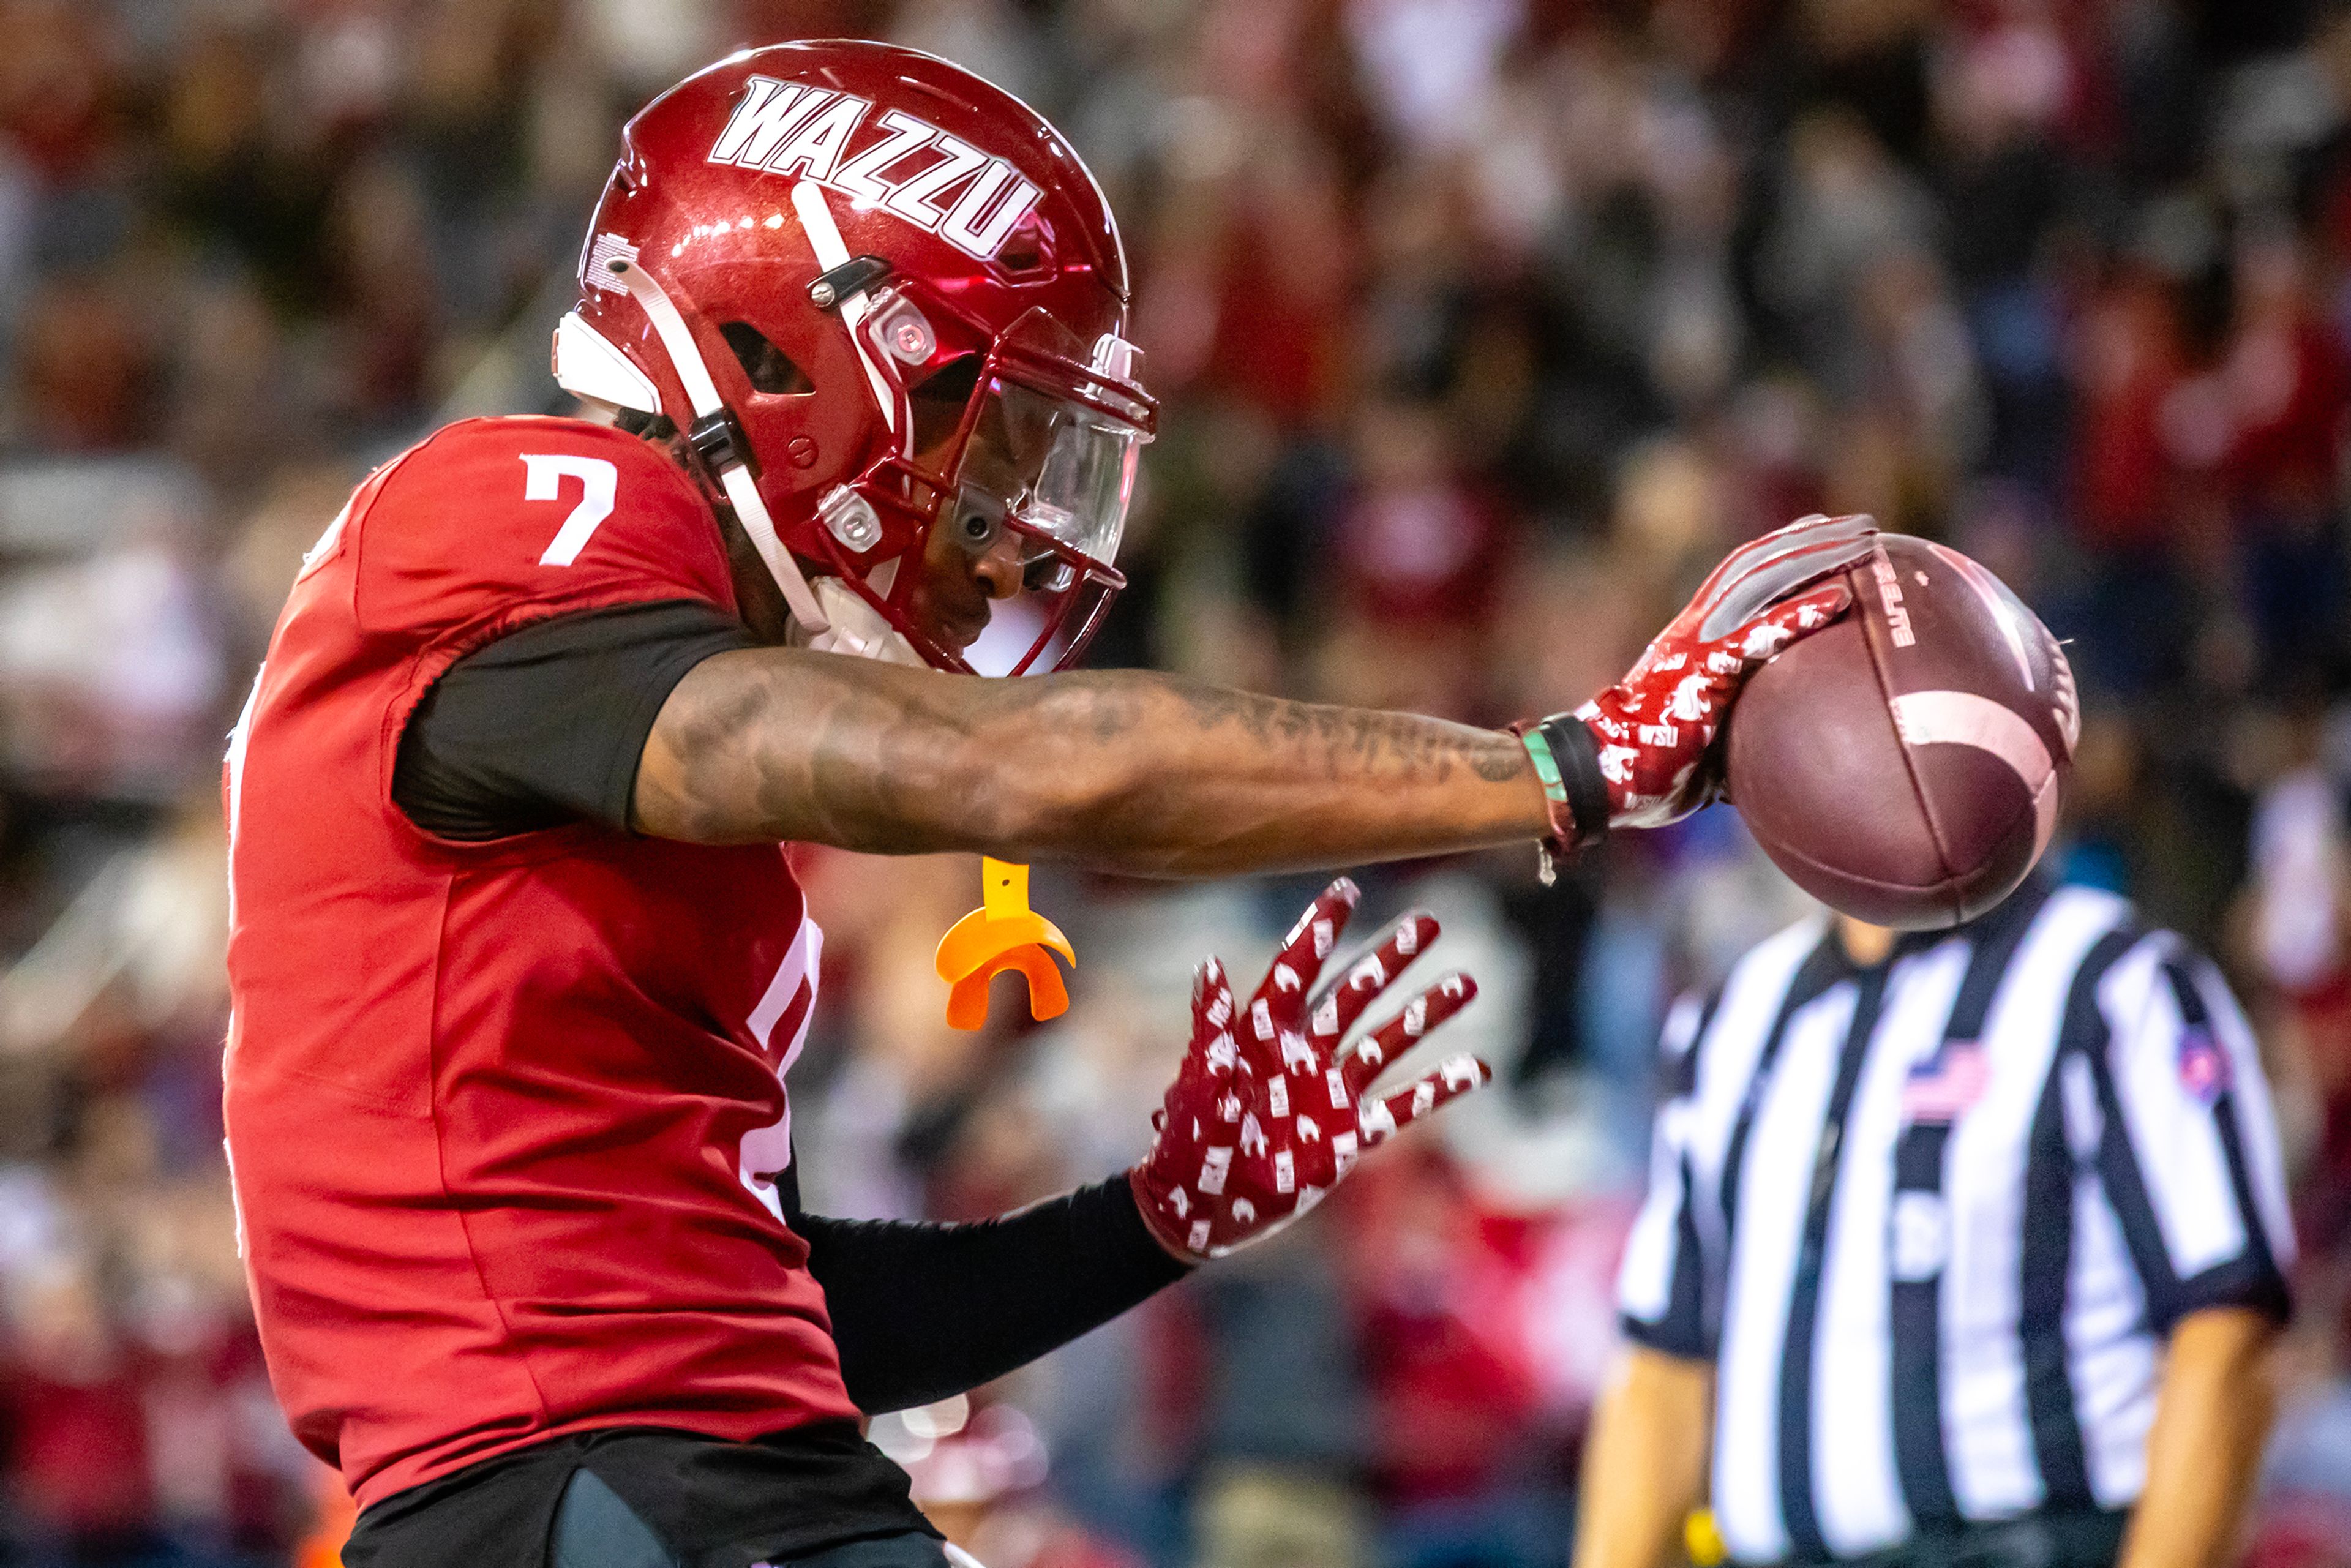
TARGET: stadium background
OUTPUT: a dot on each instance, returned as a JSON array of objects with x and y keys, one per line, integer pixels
[{"x": 1482, "y": 326}]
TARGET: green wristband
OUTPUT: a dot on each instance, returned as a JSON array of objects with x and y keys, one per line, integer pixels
[{"x": 1538, "y": 747}]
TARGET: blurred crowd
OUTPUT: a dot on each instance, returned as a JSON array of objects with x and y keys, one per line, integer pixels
[{"x": 1483, "y": 327}]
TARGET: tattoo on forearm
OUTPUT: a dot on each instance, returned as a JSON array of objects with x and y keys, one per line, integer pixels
[
  {"x": 1349, "y": 738},
  {"x": 866, "y": 757}
]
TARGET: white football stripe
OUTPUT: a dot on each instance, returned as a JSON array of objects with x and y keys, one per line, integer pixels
[
  {"x": 1963, "y": 718},
  {"x": 2003, "y": 615},
  {"x": 799, "y": 963}
]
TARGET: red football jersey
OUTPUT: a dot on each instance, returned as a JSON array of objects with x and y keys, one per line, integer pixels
[{"x": 502, "y": 1118}]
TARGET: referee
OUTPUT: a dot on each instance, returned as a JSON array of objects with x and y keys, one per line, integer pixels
[{"x": 1961, "y": 1247}]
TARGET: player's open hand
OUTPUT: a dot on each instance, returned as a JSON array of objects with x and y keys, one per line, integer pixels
[
  {"x": 1654, "y": 729},
  {"x": 1266, "y": 1113}
]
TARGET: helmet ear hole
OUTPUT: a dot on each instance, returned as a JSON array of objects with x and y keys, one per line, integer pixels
[{"x": 770, "y": 369}]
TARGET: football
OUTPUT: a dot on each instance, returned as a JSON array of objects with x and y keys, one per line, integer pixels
[{"x": 1904, "y": 765}]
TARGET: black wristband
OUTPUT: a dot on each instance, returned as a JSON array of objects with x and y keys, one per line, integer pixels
[{"x": 1578, "y": 755}]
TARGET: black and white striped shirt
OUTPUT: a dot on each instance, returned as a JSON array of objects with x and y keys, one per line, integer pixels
[{"x": 1930, "y": 1220}]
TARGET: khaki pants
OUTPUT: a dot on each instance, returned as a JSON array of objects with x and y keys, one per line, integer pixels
[{"x": 1267, "y": 1517}]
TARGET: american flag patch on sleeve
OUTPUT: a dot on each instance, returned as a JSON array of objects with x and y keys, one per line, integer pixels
[{"x": 1945, "y": 1086}]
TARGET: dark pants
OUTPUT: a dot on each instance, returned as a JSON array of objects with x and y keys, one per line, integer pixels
[
  {"x": 594, "y": 1529},
  {"x": 2047, "y": 1540}
]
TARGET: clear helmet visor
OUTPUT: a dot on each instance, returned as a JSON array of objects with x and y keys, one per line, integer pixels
[
  {"x": 1024, "y": 443},
  {"x": 1056, "y": 473}
]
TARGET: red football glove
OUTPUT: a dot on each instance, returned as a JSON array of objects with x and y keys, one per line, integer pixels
[
  {"x": 1265, "y": 1116},
  {"x": 1645, "y": 744}
]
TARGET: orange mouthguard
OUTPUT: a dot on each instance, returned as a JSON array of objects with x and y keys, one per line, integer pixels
[{"x": 1002, "y": 934}]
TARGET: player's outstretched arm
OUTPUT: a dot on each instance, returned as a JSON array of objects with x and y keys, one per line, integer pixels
[
  {"x": 1154, "y": 775},
  {"x": 1136, "y": 772}
]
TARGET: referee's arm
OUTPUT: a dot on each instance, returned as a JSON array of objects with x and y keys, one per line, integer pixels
[
  {"x": 2212, "y": 1418},
  {"x": 1645, "y": 1461},
  {"x": 2193, "y": 1148},
  {"x": 1645, "y": 1458}
]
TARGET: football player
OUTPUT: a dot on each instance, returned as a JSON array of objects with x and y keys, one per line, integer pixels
[{"x": 519, "y": 966}]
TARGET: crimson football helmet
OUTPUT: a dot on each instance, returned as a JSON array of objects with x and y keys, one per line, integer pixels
[{"x": 879, "y": 296}]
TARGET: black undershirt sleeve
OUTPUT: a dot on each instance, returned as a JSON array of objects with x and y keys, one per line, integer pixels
[
  {"x": 546, "y": 725},
  {"x": 921, "y": 1310}
]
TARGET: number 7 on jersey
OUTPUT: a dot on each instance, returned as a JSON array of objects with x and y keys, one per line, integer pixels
[{"x": 543, "y": 476}]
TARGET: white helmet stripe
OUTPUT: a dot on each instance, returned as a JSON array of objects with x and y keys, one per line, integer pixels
[
  {"x": 670, "y": 327},
  {"x": 751, "y": 506},
  {"x": 824, "y": 238}
]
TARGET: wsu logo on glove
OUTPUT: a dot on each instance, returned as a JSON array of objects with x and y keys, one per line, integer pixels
[
  {"x": 1654, "y": 730},
  {"x": 1262, "y": 1123},
  {"x": 1692, "y": 699}
]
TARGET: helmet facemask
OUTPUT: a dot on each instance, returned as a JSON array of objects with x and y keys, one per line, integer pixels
[{"x": 1044, "y": 447}]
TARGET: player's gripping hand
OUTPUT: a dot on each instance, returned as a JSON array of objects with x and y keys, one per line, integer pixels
[
  {"x": 1266, "y": 1116},
  {"x": 1644, "y": 745}
]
